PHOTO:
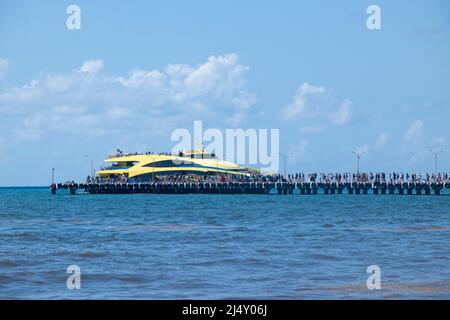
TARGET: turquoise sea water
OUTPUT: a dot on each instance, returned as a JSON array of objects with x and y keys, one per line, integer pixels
[{"x": 149, "y": 246}]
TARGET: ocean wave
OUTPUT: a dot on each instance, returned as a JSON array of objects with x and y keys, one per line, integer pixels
[
  {"x": 319, "y": 256},
  {"x": 167, "y": 227},
  {"x": 7, "y": 263},
  {"x": 423, "y": 228},
  {"x": 108, "y": 277},
  {"x": 400, "y": 288},
  {"x": 406, "y": 229},
  {"x": 93, "y": 254}
]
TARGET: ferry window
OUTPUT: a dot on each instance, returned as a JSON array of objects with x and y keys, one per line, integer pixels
[
  {"x": 118, "y": 165},
  {"x": 170, "y": 163}
]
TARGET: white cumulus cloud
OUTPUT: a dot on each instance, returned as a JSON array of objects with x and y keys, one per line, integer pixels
[
  {"x": 91, "y": 66},
  {"x": 300, "y": 106},
  {"x": 87, "y": 101},
  {"x": 318, "y": 107},
  {"x": 436, "y": 141},
  {"x": 382, "y": 139},
  {"x": 142, "y": 79},
  {"x": 414, "y": 131},
  {"x": 4, "y": 64},
  {"x": 342, "y": 115}
]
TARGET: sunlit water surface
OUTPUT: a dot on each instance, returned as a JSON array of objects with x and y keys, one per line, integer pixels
[{"x": 150, "y": 246}]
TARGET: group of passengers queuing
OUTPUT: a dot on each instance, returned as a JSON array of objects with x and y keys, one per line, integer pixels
[
  {"x": 346, "y": 177},
  {"x": 121, "y": 154},
  {"x": 121, "y": 178}
]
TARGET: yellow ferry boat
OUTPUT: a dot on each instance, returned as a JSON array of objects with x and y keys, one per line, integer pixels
[{"x": 146, "y": 166}]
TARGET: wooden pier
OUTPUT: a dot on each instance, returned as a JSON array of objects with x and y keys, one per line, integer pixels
[{"x": 281, "y": 188}]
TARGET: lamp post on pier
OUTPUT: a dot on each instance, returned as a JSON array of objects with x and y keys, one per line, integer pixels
[
  {"x": 285, "y": 157},
  {"x": 435, "y": 152},
  {"x": 358, "y": 156},
  {"x": 92, "y": 166}
]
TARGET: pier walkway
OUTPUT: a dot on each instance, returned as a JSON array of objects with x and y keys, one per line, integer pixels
[{"x": 282, "y": 188}]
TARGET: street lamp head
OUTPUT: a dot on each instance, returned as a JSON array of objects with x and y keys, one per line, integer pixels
[
  {"x": 286, "y": 155},
  {"x": 435, "y": 151}
]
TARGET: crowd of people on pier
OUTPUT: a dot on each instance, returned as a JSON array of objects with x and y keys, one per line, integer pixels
[
  {"x": 368, "y": 177},
  {"x": 346, "y": 177}
]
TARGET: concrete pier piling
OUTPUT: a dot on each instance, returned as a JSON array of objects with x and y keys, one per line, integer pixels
[{"x": 281, "y": 188}]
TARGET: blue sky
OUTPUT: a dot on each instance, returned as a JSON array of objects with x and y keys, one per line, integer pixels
[{"x": 138, "y": 70}]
